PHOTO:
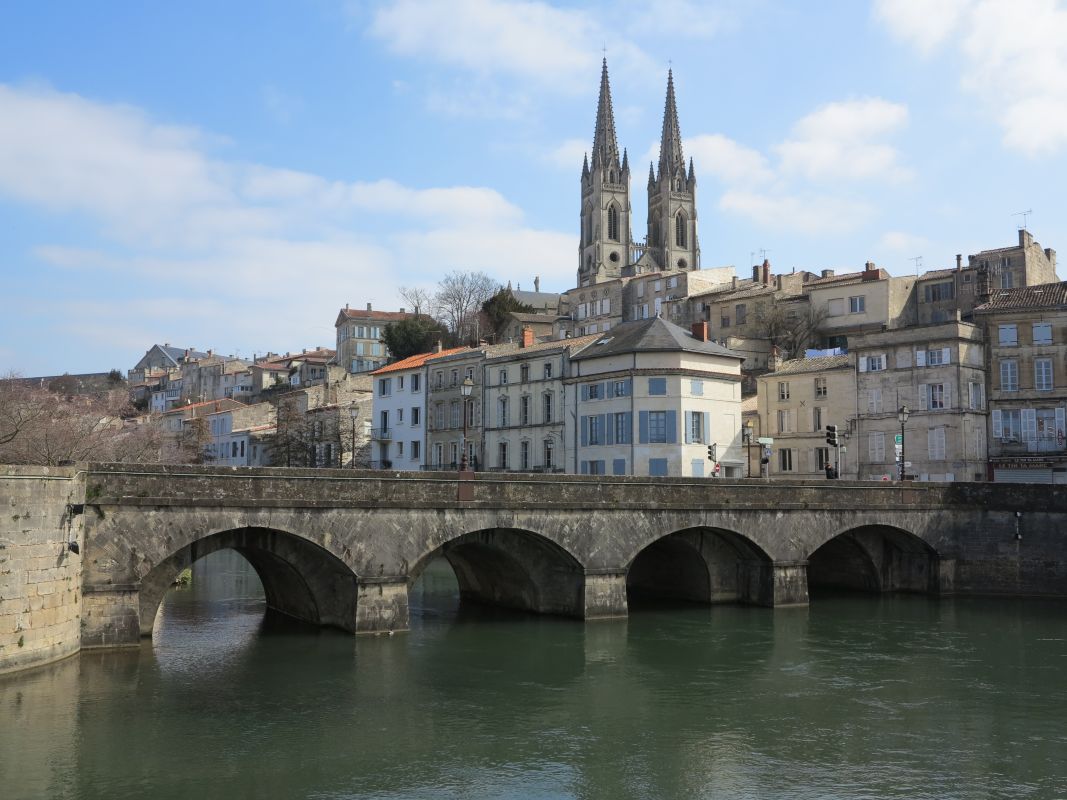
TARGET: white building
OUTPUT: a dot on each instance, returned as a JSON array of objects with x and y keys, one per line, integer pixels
[{"x": 648, "y": 399}]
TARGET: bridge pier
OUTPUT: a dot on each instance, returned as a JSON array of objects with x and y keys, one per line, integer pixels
[
  {"x": 605, "y": 594},
  {"x": 382, "y": 605},
  {"x": 783, "y": 583},
  {"x": 111, "y": 616}
]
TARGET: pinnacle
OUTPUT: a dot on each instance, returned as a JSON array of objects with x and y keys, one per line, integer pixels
[
  {"x": 671, "y": 157},
  {"x": 605, "y": 145}
]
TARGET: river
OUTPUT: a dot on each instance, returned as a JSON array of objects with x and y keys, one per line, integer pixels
[{"x": 855, "y": 696}]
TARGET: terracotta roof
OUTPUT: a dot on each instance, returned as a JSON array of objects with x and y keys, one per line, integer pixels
[
  {"x": 416, "y": 361},
  {"x": 359, "y": 313},
  {"x": 1047, "y": 295},
  {"x": 800, "y": 365},
  {"x": 849, "y": 276},
  {"x": 578, "y": 342},
  {"x": 231, "y": 403}
]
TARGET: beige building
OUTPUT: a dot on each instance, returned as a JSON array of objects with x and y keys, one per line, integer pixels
[
  {"x": 859, "y": 302},
  {"x": 359, "y": 334},
  {"x": 939, "y": 373},
  {"x": 1027, "y": 333},
  {"x": 1024, "y": 264},
  {"x": 796, "y": 400}
]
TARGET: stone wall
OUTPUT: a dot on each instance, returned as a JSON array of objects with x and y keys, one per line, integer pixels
[{"x": 40, "y": 578}]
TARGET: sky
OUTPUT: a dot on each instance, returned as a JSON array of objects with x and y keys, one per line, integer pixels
[{"x": 229, "y": 175}]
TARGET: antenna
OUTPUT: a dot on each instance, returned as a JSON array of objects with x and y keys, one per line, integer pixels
[
  {"x": 1024, "y": 215},
  {"x": 763, "y": 253},
  {"x": 918, "y": 263},
  {"x": 751, "y": 256}
]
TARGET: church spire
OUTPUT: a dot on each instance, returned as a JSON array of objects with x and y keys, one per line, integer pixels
[
  {"x": 671, "y": 158},
  {"x": 605, "y": 145}
]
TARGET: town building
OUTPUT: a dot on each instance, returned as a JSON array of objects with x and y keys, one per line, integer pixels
[
  {"x": 1023, "y": 264},
  {"x": 859, "y": 302},
  {"x": 159, "y": 358},
  {"x": 1026, "y": 329},
  {"x": 237, "y": 436},
  {"x": 649, "y": 397},
  {"x": 359, "y": 337},
  {"x": 185, "y": 433}
]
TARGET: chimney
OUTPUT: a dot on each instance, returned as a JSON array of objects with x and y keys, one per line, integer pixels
[
  {"x": 733, "y": 282},
  {"x": 755, "y": 273},
  {"x": 527, "y": 336},
  {"x": 368, "y": 307},
  {"x": 537, "y": 283},
  {"x": 303, "y": 351},
  {"x": 869, "y": 267},
  {"x": 827, "y": 273},
  {"x": 437, "y": 348},
  {"x": 700, "y": 331},
  {"x": 959, "y": 261},
  {"x": 346, "y": 306},
  {"x": 766, "y": 272},
  {"x": 401, "y": 309},
  {"x": 1025, "y": 239},
  {"x": 775, "y": 361}
]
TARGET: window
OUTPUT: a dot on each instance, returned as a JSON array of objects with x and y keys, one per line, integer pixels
[
  {"x": 1043, "y": 374},
  {"x": 857, "y": 305},
  {"x": 936, "y": 357},
  {"x": 1009, "y": 375},
  {"x": 613, "y": 223},
  {"x": 454, "y": 377},
  {"x": 876, "y": 447},
  {"x": 502, "y": 455},
  {"x": 502, "y": 412},
  {"x": 657, "y": 467},
  {"x": 783, "y": 420},
  {"x": 594, "y": 391},
  {"x": 547, "y": 454},
  {"x": 361, "y": 349},
  {"x": 696, "y": 388},
  {"x": 546, "y": 407},
  {"x": 416, "y": 383},
  {"x": 740, "y": 313},
  {"x": 618, "y": 466},
  {"x": 672, "y": 282},
  {"x": 384, "y": 387},
  {"x": 1009, "y": 335},
  {"x": 935, "y": 444},
  {"x": 503, "y": 377},
  {"x": 595, "y": 425},
  {"x": 874, "y": 363},
  {"x": 680, "y": 229},
  {"x": 657, "y": 427},
  {"x": 622, "y": 428},
  {"x": 641, "y": 289},
  {"x": 783, "y": 390},
  {"x": 400, "y": 416},
  {"x": 1007, "y": 279},
  {"x": 621, "y": 388},
  {"x": 414, "y": 449},
  {"x": 470, "y": 413},
  {"x": 439, "y": 378},
  {"x": 400, "y": 383},
  {"x": 820, "y": 387},
  {"x": 785, "y": 460},
  {"x": 975, "y": 395},
  {"x": 453, "y": 414},
  {"x": 874, "y": 401},
  {"x": 657, "y": 285},
  {"x": 548, "y": 370},
  {"x": 936, "y": 292},
  {"x": 724, "y": 321},
  {"x": 1008, "y": 424},
  {"x": 415, "y": 411},
  {"x": 822, "y": 457},
  {"x": 524, "y": 410},
  {"x": 936, "y": 395},
  {"x": 657, "y": 386},
  {"x": 439, "y": 417},
  {"x": 1042, "y": 333},
  {"x": 696, "y": 427},
  {"x": 816, "y": 419},
  {"x": 400, "y": 449},
  {"x": 524, "y": 455},
  {"x": 524, "y": 373}
]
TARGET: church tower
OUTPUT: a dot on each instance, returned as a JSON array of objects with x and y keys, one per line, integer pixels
[
  {"x": 672, "y": 208},
  {"x": 606, "y": 234}
]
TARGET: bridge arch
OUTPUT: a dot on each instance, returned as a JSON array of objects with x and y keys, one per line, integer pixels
[
  {"x": 875, "y": 558},
  {"x": 701, "y": 564},
  {"x": 300, "y": 578},
  {"x": 514, "y": 568}
]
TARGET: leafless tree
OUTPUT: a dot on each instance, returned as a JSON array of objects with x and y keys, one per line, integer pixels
[
  {"x": 420, "y": 300},
  {"x": 459, "y": 299},
  {"x": 791, "y": 333}
]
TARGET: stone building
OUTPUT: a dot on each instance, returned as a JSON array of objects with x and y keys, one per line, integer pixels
[
  {"x": 359, "y": 334},
  {"x": 796, "y": 400},
  {"x": 649, "y": 397},
  {"x": 939, "y": 373},
  {"x": 237, "y": 434},
  {"x": 1024, "y": 264},
  {"x": 858, "y": 302},
  {"x": 525, "y": 398},
  {"x": 1026, "y": 329}
]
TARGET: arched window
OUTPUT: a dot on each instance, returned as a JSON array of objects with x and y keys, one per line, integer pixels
[
  {"x": 613, "y": 223},
  {"x": 680, "y": 226}
]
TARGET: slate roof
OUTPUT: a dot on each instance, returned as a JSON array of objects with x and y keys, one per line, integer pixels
[
  {"x": 651, "y": 335},
  {"x": 1046, "y": 295},
  {"x": 176, "y": 354},
  {"x": 360, "y": 313},
  {"x": 576, "y": 343},
  {"x": 821, "y": 364},
  {"x": 536, "y": 299}
]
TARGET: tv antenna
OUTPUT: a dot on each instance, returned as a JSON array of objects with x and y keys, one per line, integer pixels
[
  {"x": 1024, "y": 215},
  {"x": 763, "y": 253},
  {"x": 918, "y": 263}
]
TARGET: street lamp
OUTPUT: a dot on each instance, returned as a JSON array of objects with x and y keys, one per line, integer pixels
[
  {"x": 465, "y": 389},
  {"x": 353, "y": 413},
  {"x": 746, "y": 438},
  {"x": 902, "y": 417}
]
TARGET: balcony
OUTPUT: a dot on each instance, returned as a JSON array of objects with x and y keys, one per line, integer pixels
[
  {"x": 1040, "y": 443},
  {"x": 382, "y": 434}
]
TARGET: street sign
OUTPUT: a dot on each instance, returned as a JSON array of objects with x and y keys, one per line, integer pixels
[
  {"x": 899, "y": 439},
  {"x": 768, "y": 440},
  {"x": 907, "y": 463},
  {"x": 766, "y": 452}
]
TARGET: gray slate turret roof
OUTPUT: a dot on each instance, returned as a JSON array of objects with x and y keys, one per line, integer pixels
[{"x": 652, "y": 335}]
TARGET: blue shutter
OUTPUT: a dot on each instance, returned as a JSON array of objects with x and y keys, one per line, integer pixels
[
  {"x": 707, "y": 428},
  {"x": 672, "y": 427},
  {"x": 618, "y": 466},
  {"x": 629, "y": 390},
  {"x": 643, "y": 422},
  {"x": 585, "y": 468},
  {"x": 610, "y": 434},
  {"x": 585, "y": 391},
  {"x": 689, "y": 426},
  {"x": 605, "y": 390},
  {"x": 629, "y": 427},
  {"x": 603, "y": 425},
  {"x": 585, "y": 431}
]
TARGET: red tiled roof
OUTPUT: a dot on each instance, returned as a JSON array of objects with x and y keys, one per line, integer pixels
[
  {"x": 219, "y": 402},
  {"x": 1047, "y": 295},
  {"x": 358, "y": 313},
  {"x": 416, "y": 361}
]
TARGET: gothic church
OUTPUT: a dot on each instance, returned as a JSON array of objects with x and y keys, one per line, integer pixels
[{"x": 607, "y": 250}]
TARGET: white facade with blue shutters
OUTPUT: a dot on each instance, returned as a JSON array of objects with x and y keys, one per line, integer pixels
[{"x": 649, "y": 397}]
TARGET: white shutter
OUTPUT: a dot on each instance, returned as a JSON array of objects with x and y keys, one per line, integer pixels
[
  {"x": 1061, "y": 428},
  {"x": 1029, "y": 424},
  {"x": 863, "y": 363},
  {"x": 998, "y": 428},
  {"x": 924, "y": 396},
  {"x": 946, "y": 355},
  {"x": 920, "y": 358}
]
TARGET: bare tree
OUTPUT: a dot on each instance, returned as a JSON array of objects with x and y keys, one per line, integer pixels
[
  {"x": 420, "y": 300},
  {"x": 459, "y": 299},
  {"x": 790, "y": 333}
]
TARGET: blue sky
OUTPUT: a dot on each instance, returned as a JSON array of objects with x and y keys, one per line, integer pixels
[{"x": 228, "y": 175}]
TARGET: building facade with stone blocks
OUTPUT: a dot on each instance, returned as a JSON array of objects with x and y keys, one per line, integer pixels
[
  {"x": 525, "y": 400},
  {"x": 591, "y": 309},
  {"x": 398, "y": 416},
  {"x": 161, "y": 358},
  {"x": 184, "y": 431},
  {"x": 1026, "y": 330},
  {"x": 649, "y": 397},
  {"x": 1023, "y": 264},
  {"x": 796, "y": 400},
  {"x": 544, "y": 326},
  {"x": 447, "y": 408},
  {"x": 309, "y": 419},
  {"x": 664, "y": 293},
  {"x": 359, "y": 337},
  {"x": 860, "y": 302},
  {"x": 939, "y": 373},
  {"x": 230, "y": 438},
  {"x": 946, "y": 294}
]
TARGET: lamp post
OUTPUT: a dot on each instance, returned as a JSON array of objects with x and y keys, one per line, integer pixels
[
  {"x": 353, "y": 413},
  {"x": 465, "y": 389},
  {"x": 902, "y": 417},
  {"x": 746, "y": 436}
]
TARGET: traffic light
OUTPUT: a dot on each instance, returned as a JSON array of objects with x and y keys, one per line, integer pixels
[
  {"x": 713, "y": 452},
  {"x": 831, "y": 435}
]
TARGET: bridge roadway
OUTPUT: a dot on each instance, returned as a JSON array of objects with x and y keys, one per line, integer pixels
[{"x": 342, "y": 548}]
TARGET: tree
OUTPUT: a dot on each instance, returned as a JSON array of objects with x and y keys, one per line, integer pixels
[
  {"x": 409, "y": 337},
  {"x": 459, "y": 298},
  {"x": 791, "y": 334},
  {"x": 497, "y": 308},
  {"x": 420, "y": 300}
]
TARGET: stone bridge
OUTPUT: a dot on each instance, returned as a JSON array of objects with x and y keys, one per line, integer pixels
[{"x": 342, "y": 548}]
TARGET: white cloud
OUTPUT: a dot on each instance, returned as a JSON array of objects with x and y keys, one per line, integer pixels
[
  {"x": 807, "y": 213},
  {"x": 840, "y": 140},
  {"x": 568, "y": 154},
  {"x": 1013, "y": 60},
  {"x": 690, "y": 19},
  {"x": 899, "y": 242},
  {"x": 727, "y": 160}
]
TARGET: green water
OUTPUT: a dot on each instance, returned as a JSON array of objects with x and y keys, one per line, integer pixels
[{"x": 853, "y": 697}]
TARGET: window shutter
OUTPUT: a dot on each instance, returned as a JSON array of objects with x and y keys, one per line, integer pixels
[
  {"x": 931, "y": 443},
  {"x": 998, "y": 428},
  {"x": 706, "y": 427},
  {"x": 605, "y": 390},
  {"x": 610, "y": 435},
  {"x": 862, "y": 361},
  {"x": 1029, "y": 424},
  {"x": 603, "y": 426},
  {"x": 629, "y": 387},
  {"x": 946, "y": 355},
  {"x": 672, "y": 427},
  {"x": 585, "y": 468},
  {"x": 920, "y": 358},
  {"x": 585, "y": 391},
  {"x": 585, "y": 432},
  {"x": 1061, "y": 427},
  {"x": 642, "y": 421},
  {"x": 950, "y": 477},
  {"x": 689, "y": 427},
  {"x": 924, "y": 396},
  {"x": 629, "y": 427}
]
